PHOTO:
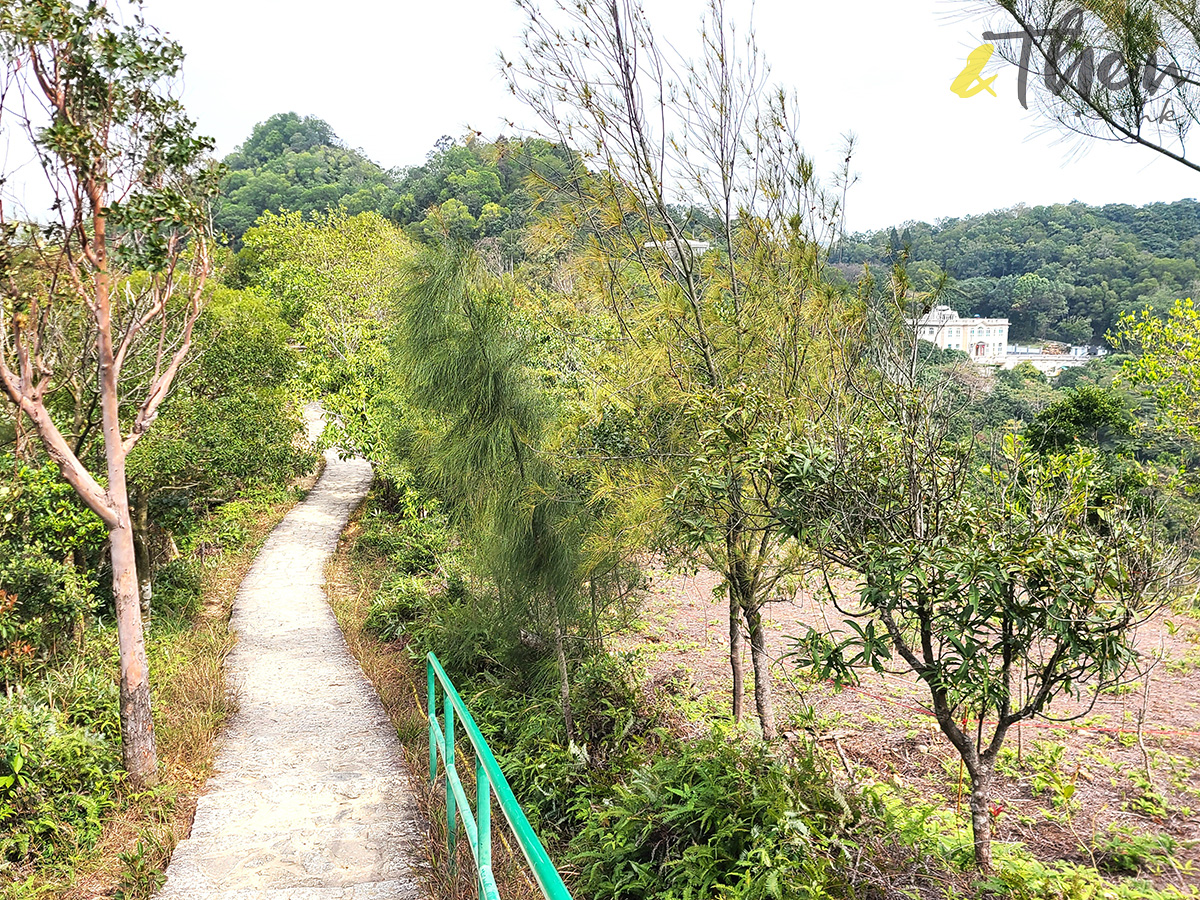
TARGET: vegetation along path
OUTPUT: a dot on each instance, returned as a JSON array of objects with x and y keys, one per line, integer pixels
[{"x": 309, "y": 800}]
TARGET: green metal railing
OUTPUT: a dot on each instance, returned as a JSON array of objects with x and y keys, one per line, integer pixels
[{"x": 489, "y": 780}]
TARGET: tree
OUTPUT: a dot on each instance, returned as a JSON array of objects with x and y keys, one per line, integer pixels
[
  {"x": 1113, "y": 71},
  {"x": 1167, "y": 364},
  {"x": 1037, "y": 303},
  {"x": 299, "y": 164},
  {"x": 717, "y": 353},
  {"x": 1089, "y": 414},
  {"x": 334, "y": 277},
  {"x": 484, "y": 443},
  {"x": 231, "y": 421},
  {"x": 1002, "y": 582},
  {"x": 129, "y": 190}
]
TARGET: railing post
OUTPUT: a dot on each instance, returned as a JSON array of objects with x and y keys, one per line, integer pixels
[
  {"x": 483, "y": 818},
  {"x": 451, "y": 819},
  {"x": 431, "y": 703}
]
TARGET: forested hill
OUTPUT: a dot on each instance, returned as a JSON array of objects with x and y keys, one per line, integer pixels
[
  {"x": 1062, "y": 272},
  {"x": 472, "y": 189},
  {"x": 299, "y": 164}
]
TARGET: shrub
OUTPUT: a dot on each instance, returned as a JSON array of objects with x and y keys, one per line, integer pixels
[
  {"x": 718, "y": 816},
  {"x": 399, "y": 600},
  {"x": 471, "y": 635},
  {"x": 50, "y": 598},
  {"x": 56, "y": 781},
  {"x": 1124, "y": 851},
  {"x": 38, "y": 507},
  {"x": 177, "y": 587},
  {"x": 411, "y": 545}
]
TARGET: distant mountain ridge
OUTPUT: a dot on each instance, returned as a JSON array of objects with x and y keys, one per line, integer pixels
[
  {"x": 1062, "y": 272},
  {"x": 1065, "y": 271}
]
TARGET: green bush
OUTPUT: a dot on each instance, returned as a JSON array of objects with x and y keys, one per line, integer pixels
[
  {"x": 720, "y": 816},
  {"x": 1124, "y": 851},
  {"x": 38, "y": 507},
  {"x": 399, "y": 600},
  {"x": 177, "y": 587},
  {"x": 51, "y": 597},
  {"x": 470, "y": 635},
  {"x": 613, "y": 718},
  {"x": 56, "y": 781},
  {"x": 83, "y": 688},
  {"x": 412, "y": 545}
]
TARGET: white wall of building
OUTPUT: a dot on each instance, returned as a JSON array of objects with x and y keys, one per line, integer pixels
[{"x": 984, "y": 340}]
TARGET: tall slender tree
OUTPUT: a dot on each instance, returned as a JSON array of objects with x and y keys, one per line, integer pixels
[
  {"x": 483, "y": 442},
  {"x": 723, "y": 326},
  {"x": 125, "y": 248}
]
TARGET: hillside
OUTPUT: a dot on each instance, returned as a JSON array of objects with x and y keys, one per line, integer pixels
[
  {"x": 1061, "y": 272},
  {"x": 471, "y": 189}
]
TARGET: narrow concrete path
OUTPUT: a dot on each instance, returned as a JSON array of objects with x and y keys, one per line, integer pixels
[{"x": 309, "y": 800}]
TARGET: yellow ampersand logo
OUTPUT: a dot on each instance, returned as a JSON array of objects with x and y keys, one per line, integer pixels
[{"x": 969, "y": 83}]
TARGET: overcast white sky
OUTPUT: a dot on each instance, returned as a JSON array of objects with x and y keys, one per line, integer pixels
[{"x": 391, "y": 76}]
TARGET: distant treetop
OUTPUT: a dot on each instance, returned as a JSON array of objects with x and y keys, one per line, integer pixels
[
  {"x": 1063, "y": 272},
  {"x": 283, "y": 131},
  {"x": 469, "y": 189}
]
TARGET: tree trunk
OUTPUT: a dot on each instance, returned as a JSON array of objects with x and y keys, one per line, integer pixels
[
  {"x": 981, "y": 816},
  {"x": 140, "y": 515},
  {"x": 564, "y": 680},
  {"x": 763, "y": 695},
  {"x": 137, "y": 725},
  {"x": 735, "y": 655}
]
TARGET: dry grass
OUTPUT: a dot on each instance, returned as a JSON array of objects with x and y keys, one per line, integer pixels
[{"x": 350, "y": 584}]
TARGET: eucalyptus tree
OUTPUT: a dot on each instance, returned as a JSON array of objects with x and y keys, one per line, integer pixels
[
  {"x": 1002, "y": 580},
  {"x": 723, "y": 320},
  {"x": 124, "y": 248}
]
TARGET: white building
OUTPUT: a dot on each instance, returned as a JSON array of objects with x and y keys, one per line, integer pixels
[{"x": 984, "y": 340}]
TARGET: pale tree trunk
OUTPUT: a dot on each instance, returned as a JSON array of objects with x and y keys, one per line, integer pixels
[
  {"x": 736, "y": 665},
  {"x": 763, "y": 694},
  {"x": 140, "y": 514},
  {"x": 137, "y": 725}
]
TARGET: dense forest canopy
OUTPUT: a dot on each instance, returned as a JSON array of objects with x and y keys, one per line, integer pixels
[
  {"x": 470, "y": 189},
  {"x": 1064, "y": 272}
]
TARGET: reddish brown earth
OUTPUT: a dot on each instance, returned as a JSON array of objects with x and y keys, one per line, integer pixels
[{"x": 882, "y": 729}]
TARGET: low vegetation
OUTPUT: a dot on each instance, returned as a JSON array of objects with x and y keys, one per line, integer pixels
[
  {"x": 661, "y": 794},
  {"x": 641, "y": 340}
]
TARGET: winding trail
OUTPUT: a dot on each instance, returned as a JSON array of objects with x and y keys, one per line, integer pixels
[{"x": 309, "y": 800}]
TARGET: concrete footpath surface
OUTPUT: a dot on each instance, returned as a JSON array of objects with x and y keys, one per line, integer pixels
[{"x": 309, "y": 799}]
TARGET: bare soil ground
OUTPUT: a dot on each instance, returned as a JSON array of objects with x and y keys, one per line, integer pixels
[{"x": 1100, "y": 759}]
